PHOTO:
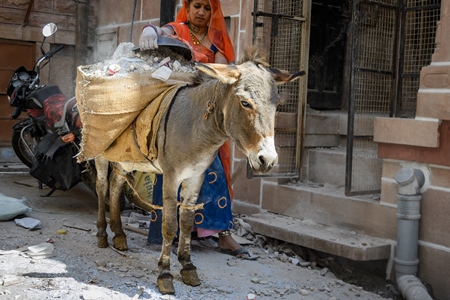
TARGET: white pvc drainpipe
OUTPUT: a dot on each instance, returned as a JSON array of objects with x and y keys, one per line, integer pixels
[{"x": 408, "y": 214}]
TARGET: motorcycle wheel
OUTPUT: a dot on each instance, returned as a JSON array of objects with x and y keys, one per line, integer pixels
[{"x": 21, "y": 149}]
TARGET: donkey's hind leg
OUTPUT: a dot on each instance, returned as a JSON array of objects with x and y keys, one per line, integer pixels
[
  {"x": 189, "y": 196},
  {"x": 102, "y": 185},
  {"x": 116, "y": 181}
]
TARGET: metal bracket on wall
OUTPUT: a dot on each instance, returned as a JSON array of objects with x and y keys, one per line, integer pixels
[
  {"x": 27, "y": 15},
  {"x": 275, "y": 18}
]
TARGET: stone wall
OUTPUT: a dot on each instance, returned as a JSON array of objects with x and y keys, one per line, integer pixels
[
  {"x": 424, "y": 143},
  {"x": 16, "y": 25}
]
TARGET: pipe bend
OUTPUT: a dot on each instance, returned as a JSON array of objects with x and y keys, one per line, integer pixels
[
  {"x": 412, "y": 288},
  {"x": 410, "y": 181}
]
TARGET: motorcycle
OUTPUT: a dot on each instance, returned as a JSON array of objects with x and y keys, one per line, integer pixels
[{"x": 48, "y": 139}]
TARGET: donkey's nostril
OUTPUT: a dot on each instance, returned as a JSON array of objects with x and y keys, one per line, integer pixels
[{"x": 261, "y": 160}]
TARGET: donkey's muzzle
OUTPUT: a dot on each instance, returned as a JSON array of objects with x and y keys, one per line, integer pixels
[
  {"x": 266, "y": 163},
  {"x": 266, "y": 158}
]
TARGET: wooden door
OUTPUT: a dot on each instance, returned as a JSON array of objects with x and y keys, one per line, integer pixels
[{"x": 13, "y": 54}]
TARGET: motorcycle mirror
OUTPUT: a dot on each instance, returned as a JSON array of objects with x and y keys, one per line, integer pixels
[{"x": 49, "y": 29}]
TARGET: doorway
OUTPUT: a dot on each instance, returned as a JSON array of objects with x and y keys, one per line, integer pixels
[{"x": 14, "y": 55}]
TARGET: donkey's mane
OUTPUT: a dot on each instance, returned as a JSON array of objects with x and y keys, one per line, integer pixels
[
  {"x": 199, "y": 78},
  {"x": 256, "y": 56}
]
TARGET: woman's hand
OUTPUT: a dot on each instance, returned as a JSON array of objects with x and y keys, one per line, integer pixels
[{"x": 149, "y": 37}]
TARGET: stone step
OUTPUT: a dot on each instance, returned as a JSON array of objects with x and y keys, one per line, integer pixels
[
  {"x": 330, "y": 240},
  {"x": 13, "y": 168},
  {"x": 335, "y": 123},
  {"x": 9, "y": 162},
  {"x": 327, "y": 165},
  {"x": 7, "y": 155}
]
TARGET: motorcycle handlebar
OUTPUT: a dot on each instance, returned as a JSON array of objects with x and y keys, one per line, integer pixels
[
  {"x": 16, "y": 113},
  {"x": 51, "y": 53},
  {"x": 37, "y": 65}
]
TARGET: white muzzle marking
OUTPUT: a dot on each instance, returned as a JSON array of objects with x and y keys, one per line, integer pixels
[{"x": 266, "y": 157}]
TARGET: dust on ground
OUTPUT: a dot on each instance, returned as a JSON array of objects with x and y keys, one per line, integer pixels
[{"x": 78, "y": 269}]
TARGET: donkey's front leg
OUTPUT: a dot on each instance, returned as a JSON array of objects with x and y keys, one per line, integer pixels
[
  {"x": 101, "y": 166},
  {"x": 116, "y": 181},
  {"x": 189, "y": 196},
  {"x": 169, "y": 230}
]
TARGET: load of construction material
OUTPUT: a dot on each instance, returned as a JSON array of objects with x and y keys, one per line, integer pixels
[{"x": 126, "y": 96}]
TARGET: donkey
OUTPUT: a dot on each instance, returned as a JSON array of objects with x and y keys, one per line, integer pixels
[{"x": 226, "y": 101}]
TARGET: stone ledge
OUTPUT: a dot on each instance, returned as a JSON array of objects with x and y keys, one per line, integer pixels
[
  {"x": 330, "y": 240},
  {"x": 335, "y": 123},
  {"x": 410, "y": 132},
  {"x": 321, "y": 140},
  {"x": 322, "y": 123},
  {"x": 438, "y": 156}
]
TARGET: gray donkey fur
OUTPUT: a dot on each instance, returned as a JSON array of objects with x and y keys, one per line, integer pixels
[{"x": 242, "y": 104}]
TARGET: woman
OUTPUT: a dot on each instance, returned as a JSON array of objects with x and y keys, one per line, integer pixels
[{"x": 200, "y": 24}]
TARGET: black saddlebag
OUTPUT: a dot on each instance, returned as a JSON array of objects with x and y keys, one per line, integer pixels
[{"x": 55, "y": 165}]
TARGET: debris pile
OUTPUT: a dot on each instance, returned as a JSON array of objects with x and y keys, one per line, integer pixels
[{"x": 127, "y": 59}]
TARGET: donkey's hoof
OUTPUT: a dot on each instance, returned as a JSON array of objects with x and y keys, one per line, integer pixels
[
  {"x": 189, "y": 275},
  {"x": 165, "y": 284},
  {"x": 102, "y": 241},
  {"x": 120, "y": 243}
]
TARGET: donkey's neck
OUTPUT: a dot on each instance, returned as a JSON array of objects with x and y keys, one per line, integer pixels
[{"x": 192, "y": 117}]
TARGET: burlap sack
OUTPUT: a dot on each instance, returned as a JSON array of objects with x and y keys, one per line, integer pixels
[
  {"x": 108, "y": 105},
  {"x": 137, "y": 143}
]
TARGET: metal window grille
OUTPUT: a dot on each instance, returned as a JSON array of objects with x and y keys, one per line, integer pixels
[
  {"x": 373, "y": 85},
  {"x": 417, "y": 46},
  {"x": 386, "y": 62},
  {"x": 279, "y": 27}
]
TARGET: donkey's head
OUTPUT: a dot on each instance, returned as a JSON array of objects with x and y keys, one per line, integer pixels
[{"x": 248, "y": 112}]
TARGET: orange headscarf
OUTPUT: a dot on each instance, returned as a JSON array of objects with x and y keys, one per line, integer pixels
[{"x": 217, "y": 31}]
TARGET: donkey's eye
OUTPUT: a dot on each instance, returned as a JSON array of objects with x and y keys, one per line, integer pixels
[{"x": 246, "y": 104}]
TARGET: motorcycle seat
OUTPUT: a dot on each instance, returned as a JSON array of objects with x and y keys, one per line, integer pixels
[{"x": 36, "y": 98}]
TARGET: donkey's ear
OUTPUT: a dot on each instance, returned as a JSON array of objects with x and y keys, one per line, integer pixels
[
  {"x": 282, "y": 76},
  {"x": 227, "y": 74}
]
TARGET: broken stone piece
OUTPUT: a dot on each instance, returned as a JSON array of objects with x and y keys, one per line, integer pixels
[
  {"x": 251, "y": 297},
  {"x": 162, "y": 73},
  {"x": 28, "y": 223},
  {"x": 10, "y": 280},
  {"x": 43, "y": 250}
]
